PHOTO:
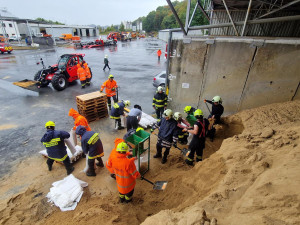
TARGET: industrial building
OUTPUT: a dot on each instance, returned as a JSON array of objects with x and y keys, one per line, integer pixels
[{"x": 12, "y": 25}]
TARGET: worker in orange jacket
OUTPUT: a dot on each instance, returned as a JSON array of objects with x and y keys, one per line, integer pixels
[
  {"x": 110, "y": 89},
  {"x": 81, "y": 75},
  {"x": 125, "y": 171},
  {"x": 112, "y": 155},
  {"x": 88, "y": 74},
  {"x": 158, "y": 54}
]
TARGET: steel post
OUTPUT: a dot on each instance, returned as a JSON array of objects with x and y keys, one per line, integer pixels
[
  {"x": 176, "y": 16},
  {"x": 236, "y": 32},
  {"x": 193, "y": 14},
  {"x": 280, "y": 8},
  {"x": 187, "y": 16},
  {"x": 248, "y": 11},
  {"x": 202, "y": 9}
]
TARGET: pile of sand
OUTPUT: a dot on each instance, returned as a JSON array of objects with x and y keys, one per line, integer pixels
[{"x": 252, "y": 177}]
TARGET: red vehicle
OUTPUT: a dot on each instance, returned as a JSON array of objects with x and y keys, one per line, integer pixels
[
  {"x": 60, "y": 74},
  {"x": 114, "y": 36},
  {"x": 4, "y": 47}
]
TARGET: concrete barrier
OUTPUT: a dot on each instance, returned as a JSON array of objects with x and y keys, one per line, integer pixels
[{"x": 245, "y": 73}]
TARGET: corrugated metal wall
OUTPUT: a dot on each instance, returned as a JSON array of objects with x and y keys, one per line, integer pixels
[{"x": 276, "y": 29}]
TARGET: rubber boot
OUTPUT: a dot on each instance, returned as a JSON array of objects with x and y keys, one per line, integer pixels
[
  {"x": 100, "y": 162},
  {"x": 158, "y": 155},
  {"x": 91, "y": 173},
  {"x": 189, "y": 162},
  {"x": 70, "y": 170},
  {"x": 49, "y": 167},
  {"x": 164, "y": 159}
]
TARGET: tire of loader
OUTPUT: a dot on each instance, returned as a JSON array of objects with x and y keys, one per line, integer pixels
[
  {"x": 59, "y": 82},
  {"x": 43, "y": 83}
]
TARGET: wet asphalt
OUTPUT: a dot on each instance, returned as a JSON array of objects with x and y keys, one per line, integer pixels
[{"x": 23, "y": 113}]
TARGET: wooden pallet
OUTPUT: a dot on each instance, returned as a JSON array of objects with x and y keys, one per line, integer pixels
[{"x": 93, "y": 106}]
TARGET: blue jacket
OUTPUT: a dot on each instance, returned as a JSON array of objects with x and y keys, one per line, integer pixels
[
  {"x": 168, "y": 130},
  {"x": 117, "y": 110},
  {"x": 90, "y": 143},
  {"x": 55, "y": 145}
]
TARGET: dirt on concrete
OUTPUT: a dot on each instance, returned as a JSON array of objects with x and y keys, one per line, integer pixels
[{"x": 250, "y": 175}]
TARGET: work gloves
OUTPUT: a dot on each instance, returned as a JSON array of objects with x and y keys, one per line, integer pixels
[
  {"x": 175, "y": 145},
  {"x": 204, "y": 100},
  {"x": 113, "y": 176},
  {"x": 113, "y": 89},
  {"x": 101, "y": 91},
  {"x": 151, "y": 131}
]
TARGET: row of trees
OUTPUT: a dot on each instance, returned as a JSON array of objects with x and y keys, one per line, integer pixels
[
  {"x": 48, "y": 21},
  {"x": 163, "y": 18}
]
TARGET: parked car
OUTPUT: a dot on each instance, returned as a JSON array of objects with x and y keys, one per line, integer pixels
[
  {"x": 4, "y": 47},
  {"x": 160, "y": 79},
  {"x": 15, "y": 38}
]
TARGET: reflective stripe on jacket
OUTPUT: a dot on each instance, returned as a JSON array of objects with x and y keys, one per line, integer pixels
[
  {"x": 125, "y": 171},
  {"x": 91, "y": 144},
  {"x": 81, "y": 73},
  {"x": 55, "y": 145},
  {"x": 109, "y": 86},
  {"x": 113, "y": 154},
  {"x": 160, "y": 100},
  {"x": 117, "y": 110},
  {"x": 87, "y": 71}
]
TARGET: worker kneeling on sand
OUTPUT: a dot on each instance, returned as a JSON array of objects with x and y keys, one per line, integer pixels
[
  {"x": 198, "y": 142},
  {"x": 56, "y": 149},
  {"x": 92, "y": 147},
  {"x": 125, "y": 171},
  {"x": 117, "y": 111},
  {"x": 166, "y": 135}
]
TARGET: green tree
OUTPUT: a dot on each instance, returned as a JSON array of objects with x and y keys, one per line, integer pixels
[{"x": 122, "y": 27}]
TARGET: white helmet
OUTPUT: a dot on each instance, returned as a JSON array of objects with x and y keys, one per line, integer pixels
[
  {"x": 106, "y": 56},
  {"x": 217, "y": 99},
  {"x": 160, "y": 88},
  {"x": 168, "y": 113},
  {"x": 127, "y": 103},
  {"x": 177, "y": 116}
]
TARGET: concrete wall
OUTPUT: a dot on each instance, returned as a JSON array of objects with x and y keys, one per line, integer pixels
[{"x": 246, "y": 73}]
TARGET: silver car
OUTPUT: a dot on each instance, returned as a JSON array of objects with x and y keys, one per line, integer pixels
[{"x": 160, "y": 79}]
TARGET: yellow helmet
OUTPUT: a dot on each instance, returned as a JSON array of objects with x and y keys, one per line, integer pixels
[
  {"x": 50, "y": 124},
  {"x": 122, "y": 147},
  {"x": 187, "y": 109},
  {"x": 139, "y": 128},
  {"x": 127, "y": 103},
  {"x": 111, "y": 76},
  {"x": 198, "y": 112}
]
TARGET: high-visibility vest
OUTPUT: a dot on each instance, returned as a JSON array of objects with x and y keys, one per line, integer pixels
[
  {"x": 110, "y": 87},
  {"x": 81, "y": 74},
  {"x": 87, "y": 71}
]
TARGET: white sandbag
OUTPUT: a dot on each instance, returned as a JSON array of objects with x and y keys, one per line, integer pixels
[
  {"x": 147, "y": 120},
  {"x": 66, "y": 193},
  {"x": 73, "y": 137},
  {"x": 143, "y": 159},
  {"x": 70, "y": 145},
  {"x": 73, "y": 157}
]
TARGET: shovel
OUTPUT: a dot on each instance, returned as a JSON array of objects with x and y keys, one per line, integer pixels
[
  {"x": 184, "y": 151},
  {"x": 208, "y": 108},
  {"x": 158, "y": 185}
]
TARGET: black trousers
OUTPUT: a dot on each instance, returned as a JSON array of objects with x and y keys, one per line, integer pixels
[
  {"x": 83, "y": 82},
  {"x": 66, "y": 162},
  {"x": 159, "y": 112},
  {"x": 109, "y": 100},
  {"x": 132, "y": 122},
  {"x": 88, "y": 81},
  {"x": 106, "y": 65},
  {"x": 126, "y": 197},
  {"x": 198, "y": 148},
  {"x": 91, "y": 163},
  {"x": 159, "y": 148}
]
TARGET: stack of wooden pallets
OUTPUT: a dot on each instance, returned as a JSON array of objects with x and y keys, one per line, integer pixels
[{"x": 92, "y": 105}]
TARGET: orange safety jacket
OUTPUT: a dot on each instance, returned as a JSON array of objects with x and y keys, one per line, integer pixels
[
  {"x": 159, "y": 53},
  {"x": 125, "y": 171},
  {"x": 87, "y": 71},
  {"x": 81, "y": 73},
  {"x": 79, "y": 120},
  {"x": 109, "y": 85},
  {"x": 113, "y": 154}
]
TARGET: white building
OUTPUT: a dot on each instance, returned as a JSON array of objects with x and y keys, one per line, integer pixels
[
  {"x": 12, "y": 25},
  {"x": 8, "y": 27}
]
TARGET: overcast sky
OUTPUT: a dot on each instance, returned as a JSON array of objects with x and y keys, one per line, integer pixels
[{"x": 82, "y": 12}]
